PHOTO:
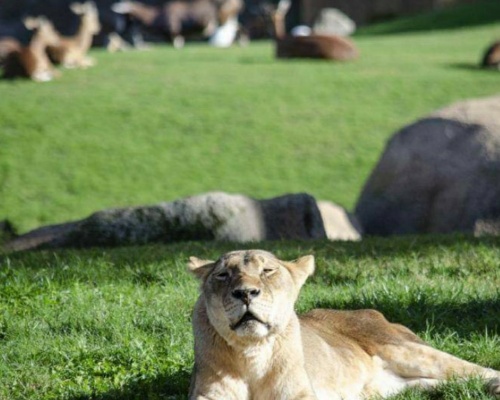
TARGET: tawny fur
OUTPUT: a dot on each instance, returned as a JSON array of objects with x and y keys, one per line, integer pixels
[
  {"x": 201, "y": 16},
  {"x": 8, "y": 45},
  {"x": 227, "y": 9},
  {"x": 30, "y": 61},
  {"x": 251, "y": 345},
  {"x": 491, "y": 58},
  {"x": 328, "y": 47},
  {"x": 72, "y": 51}
]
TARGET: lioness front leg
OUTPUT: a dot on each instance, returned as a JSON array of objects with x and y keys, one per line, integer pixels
[
  {"x": 217, "y": 391},
  {"x": 233, "y": 391},
  {"x": 422, "y": 365},
  {"x": 290, "y": 388},
  {"x": 212, "y": 387}
]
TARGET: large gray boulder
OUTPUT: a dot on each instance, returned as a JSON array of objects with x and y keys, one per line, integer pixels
[
  {"x": 438, "y": 175},
  {"x": 211, "y": 216}
]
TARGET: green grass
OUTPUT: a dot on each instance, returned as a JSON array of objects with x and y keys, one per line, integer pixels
[
  {"x": 115, "y": 324},
  {"x": 144, "y": 127},
  {"x": 459, "y": 17}
]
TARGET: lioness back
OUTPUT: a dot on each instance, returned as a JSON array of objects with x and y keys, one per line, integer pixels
[{"x": 365, "y": 328}]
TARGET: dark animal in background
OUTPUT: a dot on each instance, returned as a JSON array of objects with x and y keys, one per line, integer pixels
[
  {"x": 491, "y": 58},
  {"x": 178, "y": 19},
  {"x": 30, "y": 61},
  {"x": 118, "y": 31},
  {"x": 72, "y": 51},
  {"x": 330, "y": 47},
  {"x": 256, "y": 18}
]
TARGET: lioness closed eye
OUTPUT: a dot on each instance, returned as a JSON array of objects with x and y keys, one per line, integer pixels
[{"x": 250, "y": 344}]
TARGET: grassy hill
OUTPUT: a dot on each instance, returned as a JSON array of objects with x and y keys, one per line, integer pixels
[{"x": 144, "y": 127}]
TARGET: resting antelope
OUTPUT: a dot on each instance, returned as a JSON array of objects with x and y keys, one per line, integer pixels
[
  {"x": 329, "y": 47},
  {"x": 8, "y": 46},
  {"x": 179, "y": 18},
  {"x": 30, "y": 61},
  {"x": 491, "y": 58},
  {"x": 71, "y": 52}
]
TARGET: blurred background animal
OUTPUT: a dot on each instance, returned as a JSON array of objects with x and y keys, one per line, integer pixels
[
  {"x": 331, "y": 47},
  {"x": 179, "y": 19},
  {"x": 72, "y": 51},
  {"x": 30, "y": 60},
  {"x": 491, "y": 58},
  {"x": 118, "y": 31}
]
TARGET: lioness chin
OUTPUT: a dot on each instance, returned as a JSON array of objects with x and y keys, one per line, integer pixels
[{"x": 250, "y": 344}]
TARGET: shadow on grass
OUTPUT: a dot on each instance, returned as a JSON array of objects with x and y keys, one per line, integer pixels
[
  {"x": 467, "y": 66},
  {"x": 397, "y": 246},
  {"x": 165, "y": 387},
  {"x": 370, "y": 247},
  {"x": 472, "y": 67},
  {"x": 458, "y": 17}
]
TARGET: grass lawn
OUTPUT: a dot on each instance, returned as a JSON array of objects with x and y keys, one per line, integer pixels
[
  {"x": 144, "y": 127},
  {"x": 115, "y": 324}
]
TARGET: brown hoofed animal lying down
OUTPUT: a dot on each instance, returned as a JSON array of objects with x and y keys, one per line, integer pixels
[
  {"x": 250, "y": 345},
  {"x": 178, "y": 18},
  {"x": 316, "y": 46},
  {"x": 491, "y": 58},
  {"x": 72, "y": 51},
  {"x": 329, "y": 47},
  {"x": 30, "y": 61},
  {"x": 8, "y": 45}
]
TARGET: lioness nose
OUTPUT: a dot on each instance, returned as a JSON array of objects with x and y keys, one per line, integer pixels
[{"x": 246, "y": 294}]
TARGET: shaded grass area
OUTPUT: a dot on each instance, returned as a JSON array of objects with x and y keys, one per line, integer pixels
[
  {"x": 115, "y": 323},
  {"x": 144, "y": 127},
  {"x": 458, "y": 17}
]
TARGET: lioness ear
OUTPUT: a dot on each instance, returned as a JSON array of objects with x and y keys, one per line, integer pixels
[
  {"x": 200, "y": 268},
  {"x": 301, "y": 269}
]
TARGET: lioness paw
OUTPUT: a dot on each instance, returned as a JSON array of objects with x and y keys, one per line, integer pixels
[{"x": 494, "y": 387}]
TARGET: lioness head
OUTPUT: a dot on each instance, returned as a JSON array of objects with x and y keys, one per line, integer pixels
[{"x": 250, "y": 294}]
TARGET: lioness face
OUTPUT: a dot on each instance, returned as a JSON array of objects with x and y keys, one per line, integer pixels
[{"x": 250, "y": 293}]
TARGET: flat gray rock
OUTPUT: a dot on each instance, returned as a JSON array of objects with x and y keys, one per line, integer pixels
[{"x": 211, "y": 216}]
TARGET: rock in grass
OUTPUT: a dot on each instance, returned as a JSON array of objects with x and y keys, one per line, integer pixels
[
  {"x": 339, "y": 224},
  {"x": 438, "y": 175},
  {"x": 211, "y": 216}
]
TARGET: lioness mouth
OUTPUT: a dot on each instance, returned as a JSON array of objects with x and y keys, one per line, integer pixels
[{"x": 248, "y": 316}]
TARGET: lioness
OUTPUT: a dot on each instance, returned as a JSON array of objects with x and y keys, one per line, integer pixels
[{"x": 250, "y": 344}]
